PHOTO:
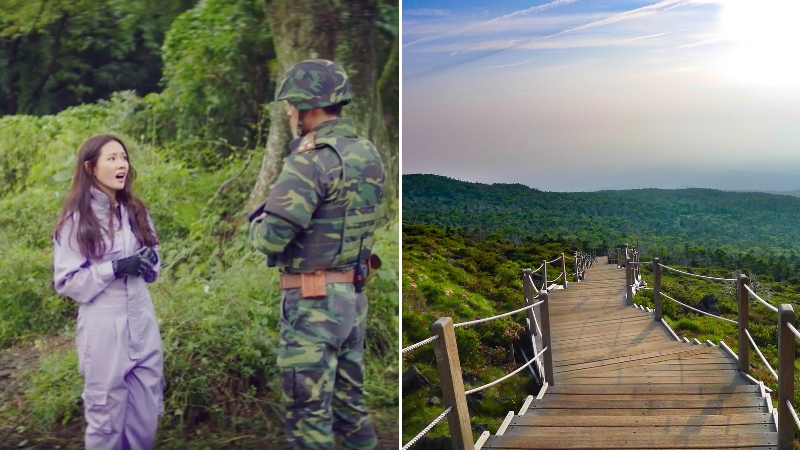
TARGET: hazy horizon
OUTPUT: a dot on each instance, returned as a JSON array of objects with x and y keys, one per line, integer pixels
[{"x": 571, "y": 95}]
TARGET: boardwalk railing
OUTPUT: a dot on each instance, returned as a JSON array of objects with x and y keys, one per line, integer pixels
[
  {"x": 787, "y": 333},
  {"x": 537, "y": 314}
]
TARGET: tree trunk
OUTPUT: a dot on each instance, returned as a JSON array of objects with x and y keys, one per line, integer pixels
[{"x": 343, "y": 32}]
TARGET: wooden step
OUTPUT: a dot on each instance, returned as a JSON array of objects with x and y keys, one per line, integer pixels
[{"x": 604, "y": 441}]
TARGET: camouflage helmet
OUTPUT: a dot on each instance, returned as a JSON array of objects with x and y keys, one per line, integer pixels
[{"x": 315, "y": 83}]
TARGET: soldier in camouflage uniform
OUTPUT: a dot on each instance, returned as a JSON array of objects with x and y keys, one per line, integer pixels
[{"x": 317, "y": 225}]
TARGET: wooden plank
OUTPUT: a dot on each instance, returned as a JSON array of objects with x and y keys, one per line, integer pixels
[
  {"x": 504, "y": 425},
  {"x": 641, "y": 421},
  {"x": 482, "y": 440},
  {"x": 734, "y": 378},
  {"x": 536, "y": 433},
  {"x": 641, "y": 412},
  {"x": 646, "y": 396},
  {"x": 634, "y": 441},
  {"x": 668, "y": 354},
  {"x": 675, "y": 388},
  {"x": 686, "y": 403},
  {"x": 686, "y": 376},
  {"x": 525, "y": 405}
]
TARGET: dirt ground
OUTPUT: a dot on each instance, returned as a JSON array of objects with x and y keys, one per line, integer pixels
[{"x": 15, "y": 363}]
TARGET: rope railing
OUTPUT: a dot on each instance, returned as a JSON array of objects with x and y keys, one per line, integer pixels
[
  {"x": 535, "y": 358},
  {"x": 697, "y": 276},
  {"x": 794, "y": 414},
  {"x": 764, "y": 360},
  {"x": 763, "y": 302},
  {"x": 700, "y": 311},
  {"x": 534, "y": 285},
  {"x": 475, "y": 322},
  {"x": 787, "y": 335},
  {"x": 449, "y": 366},
  {"x": 428, "y": 428},
  {"x": 419, "y": 344}
]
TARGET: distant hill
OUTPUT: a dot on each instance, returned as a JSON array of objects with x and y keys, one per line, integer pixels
[{"x": 756, "y": 222}]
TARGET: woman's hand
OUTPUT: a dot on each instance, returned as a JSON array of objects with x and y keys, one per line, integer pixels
[
  {"x": 132, "y": 266},
  {"x": 149, "y": 254}
]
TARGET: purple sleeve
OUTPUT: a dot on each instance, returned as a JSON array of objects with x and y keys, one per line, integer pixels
[
  {"x": 151, "y": 275},
  {"x": 75, "y": 276}
]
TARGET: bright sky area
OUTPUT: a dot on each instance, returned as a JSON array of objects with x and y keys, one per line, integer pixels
[{"x": 579, "y": 95}]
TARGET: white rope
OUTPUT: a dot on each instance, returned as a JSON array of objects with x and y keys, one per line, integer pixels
[
  {"x": 794, "y": 414},
  {"x": 555, "y": 260},
  {"x": 420, "y": 344},
  {"x": 559, "y": 277},
  {"x": 428, "y": 428},
  {"x": 571, "y": 259},
  {"x": 772, "y": 308},
  {"x": 698, "y": 311},
  {"x": 759, "y": 354},
  {"x": 645, "y": 289},
  {"x": 475, "y": 322},
  {"x": 793, "y": 330},
  {"x": 540, "y": 268},
  {"x": 536, "y": 322},
  {"x": 697, "y": 276},
  {"x": 471, "y": 391}
]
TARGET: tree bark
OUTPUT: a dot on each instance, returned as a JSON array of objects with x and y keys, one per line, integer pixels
[{"x": 343, "y": 32}]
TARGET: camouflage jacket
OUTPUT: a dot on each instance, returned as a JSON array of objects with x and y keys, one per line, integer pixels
[{"x": 321, "y": 212}]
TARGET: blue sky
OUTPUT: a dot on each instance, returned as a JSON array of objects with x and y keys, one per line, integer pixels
[{"x": 574, "y": 95}]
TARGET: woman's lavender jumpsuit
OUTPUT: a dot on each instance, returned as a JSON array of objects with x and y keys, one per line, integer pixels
[{"x": 119, "y": 344}]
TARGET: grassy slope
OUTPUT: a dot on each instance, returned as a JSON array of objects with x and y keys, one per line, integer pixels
[{"x": 447, "y": 274}]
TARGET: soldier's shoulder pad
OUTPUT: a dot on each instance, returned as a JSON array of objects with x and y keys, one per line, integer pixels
[{"x": 308, "y": 143}]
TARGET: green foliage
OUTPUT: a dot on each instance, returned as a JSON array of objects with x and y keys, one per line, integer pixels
[
  {"x": 56, "y": 54},
  {"x": 450, "y": 274},
  {"x": 30, "y": 307},
  {"x": 216, "y": 59},
  {"x": 54, "y": 390},
  {"x": 695, "y": 227}
]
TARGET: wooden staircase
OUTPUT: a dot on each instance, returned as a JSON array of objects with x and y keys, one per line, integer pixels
[{"x": 622, "y": 381}]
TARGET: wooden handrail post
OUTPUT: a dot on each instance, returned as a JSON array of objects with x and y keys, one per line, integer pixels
[
  {"x": 628, "y": 280},
  {"x": 452, "y": 383},
  {"x": 577, "y": 279},
  {"x": 619, "y": 264},
  {"x": 564, "y": 270},
  {"x": 785, "y": 377},
  {"x": 529, "y": 292},
  {"x": 544, "y": 275},
  {"x": 544, "y": 308},
  {"x": 744, "y": 344},
  {"x": 627, "y": 255},
  {"x": 657, "y": 288}
]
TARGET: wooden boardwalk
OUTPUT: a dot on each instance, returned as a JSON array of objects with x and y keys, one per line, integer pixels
[{"x": 621, "y": 381}]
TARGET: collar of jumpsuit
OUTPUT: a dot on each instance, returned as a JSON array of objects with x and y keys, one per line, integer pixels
[{"x": 337, "y": 127}]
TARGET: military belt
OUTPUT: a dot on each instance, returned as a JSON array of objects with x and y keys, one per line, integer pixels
[{"x": 313, "y": 284}]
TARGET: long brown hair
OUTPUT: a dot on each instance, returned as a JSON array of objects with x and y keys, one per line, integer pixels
[{"x": 78, "y": 200}]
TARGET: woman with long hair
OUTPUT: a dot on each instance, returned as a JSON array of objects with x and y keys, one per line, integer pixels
[{"x": 104, "y": 251}]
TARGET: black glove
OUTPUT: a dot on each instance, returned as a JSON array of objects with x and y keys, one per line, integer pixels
[
  {"x": 149, "y": 254},
  {"x": 132, "y": 266}
]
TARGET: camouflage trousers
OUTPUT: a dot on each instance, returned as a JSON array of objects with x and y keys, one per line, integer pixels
[{"x": 322, "y": 370}]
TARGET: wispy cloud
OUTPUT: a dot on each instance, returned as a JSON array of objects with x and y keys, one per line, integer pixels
[
  {"x": 539, "y": 8},
  {"x": 703, "y": 42},
  {"x": 511, "y": 65},
  {"x": 497, "y": 47},
  {"x": 426, "y": 12},
  {"x": 644, "y": 37}
]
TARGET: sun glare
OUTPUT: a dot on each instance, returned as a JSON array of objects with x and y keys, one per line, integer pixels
[{"x": 765, "y": 41}]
